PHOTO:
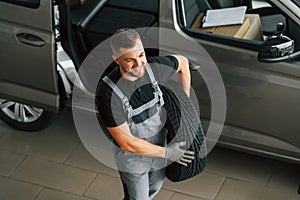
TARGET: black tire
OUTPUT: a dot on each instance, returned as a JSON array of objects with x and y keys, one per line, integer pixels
[
  {"x": 183, "y": 124},
  {"x": 31, "y": 119}
]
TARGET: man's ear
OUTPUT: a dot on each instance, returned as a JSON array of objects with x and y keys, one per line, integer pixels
[{"x": 115, "y": 59}]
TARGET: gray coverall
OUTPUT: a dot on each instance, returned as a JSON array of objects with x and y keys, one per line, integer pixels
[{"x": 142, "y": 176}]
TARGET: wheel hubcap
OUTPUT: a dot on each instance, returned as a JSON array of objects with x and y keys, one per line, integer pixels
[{"x": 20, "y": 112}]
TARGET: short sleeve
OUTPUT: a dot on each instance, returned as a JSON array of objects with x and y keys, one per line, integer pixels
[
  {"x": 163, "y": 67},
  {"x": 109, "y": 106}
]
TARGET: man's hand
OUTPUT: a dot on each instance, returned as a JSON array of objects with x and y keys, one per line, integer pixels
[{"x": 175, "y": 154}]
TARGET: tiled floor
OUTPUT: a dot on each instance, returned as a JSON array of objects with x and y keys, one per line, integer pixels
[{"x": 52, "y": 164}]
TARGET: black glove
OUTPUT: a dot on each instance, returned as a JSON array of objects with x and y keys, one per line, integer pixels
[{"x": 175, "y": 154}]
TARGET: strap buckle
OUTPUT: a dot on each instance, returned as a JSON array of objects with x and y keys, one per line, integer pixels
[
  {"x": 125, "y": 102},
  {"x": 155, "y": 86}
]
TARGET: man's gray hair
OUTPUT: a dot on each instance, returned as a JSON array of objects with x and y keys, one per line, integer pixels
[{"x": 123, "y": 38}]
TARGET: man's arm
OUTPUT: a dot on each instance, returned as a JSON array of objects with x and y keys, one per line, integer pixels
[
  {"x": 128, "y": 142},
  {"x": 184, "y": 72}
]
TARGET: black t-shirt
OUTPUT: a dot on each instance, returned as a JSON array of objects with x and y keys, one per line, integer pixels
[{"x": 138, "y": 92}]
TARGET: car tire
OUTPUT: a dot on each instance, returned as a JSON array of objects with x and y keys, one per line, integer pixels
[
  {"x": 25, "y": 117},
  {"x": 183, "y": 124}
]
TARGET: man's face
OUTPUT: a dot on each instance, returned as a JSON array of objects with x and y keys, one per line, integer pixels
[{"x": 132, "y": 61}]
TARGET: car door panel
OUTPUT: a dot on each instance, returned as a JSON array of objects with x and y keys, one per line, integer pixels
[
  {"x": 27, "y": 55},
  {"x": 261, "y": 97}
]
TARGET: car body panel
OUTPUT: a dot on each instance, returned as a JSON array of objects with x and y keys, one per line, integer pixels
[
  {"x": 263, "y": 109},
  {"x": 28, "y": 68}
]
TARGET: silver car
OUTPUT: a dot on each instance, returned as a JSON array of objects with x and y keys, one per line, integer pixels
[{"x": 44, "y": 43}]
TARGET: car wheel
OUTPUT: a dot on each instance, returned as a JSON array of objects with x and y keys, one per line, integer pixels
[
  {"x": 25, "y": 117},
  {"x": 183, "y": 124}
]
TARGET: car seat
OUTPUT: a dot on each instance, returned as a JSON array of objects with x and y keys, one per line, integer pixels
[
  {"x": 97, "y": 20},
  {"x": 148, "y": 6}
]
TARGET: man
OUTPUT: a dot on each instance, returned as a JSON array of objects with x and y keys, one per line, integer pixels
[{"x": 129, "y": 100}]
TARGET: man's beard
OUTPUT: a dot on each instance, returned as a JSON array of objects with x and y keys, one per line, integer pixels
[{"x": 138, "y": 74}]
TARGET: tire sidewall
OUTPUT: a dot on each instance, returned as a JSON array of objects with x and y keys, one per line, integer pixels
[{"x": 42, "y": 122}]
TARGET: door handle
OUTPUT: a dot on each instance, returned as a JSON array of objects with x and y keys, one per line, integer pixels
[
  {"x": 193, "y": 66},
  {"x": 30, "y": 39}
]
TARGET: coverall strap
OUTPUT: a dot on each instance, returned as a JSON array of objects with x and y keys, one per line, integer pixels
[{"x": 116, "y": 89}]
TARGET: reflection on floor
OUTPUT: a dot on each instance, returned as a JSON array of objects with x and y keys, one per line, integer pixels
[{"x": 52, "y": 164}]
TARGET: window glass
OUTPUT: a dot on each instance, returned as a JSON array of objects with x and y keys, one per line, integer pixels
[
  {"x": 25, "y": 3},
  {"x": 260, "y": 4},
  {"x": 297, "y": 2}
]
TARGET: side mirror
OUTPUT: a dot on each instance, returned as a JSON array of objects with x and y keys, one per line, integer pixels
[{"x": 277, "y": 48}]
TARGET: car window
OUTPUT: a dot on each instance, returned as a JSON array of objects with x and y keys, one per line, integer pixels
[
  {"x": 25, "y": 3},
  {"x": 260, "y": 22},
  {"x": 297, "y": 2}
]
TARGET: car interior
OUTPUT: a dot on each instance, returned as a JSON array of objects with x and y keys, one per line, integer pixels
[
  {"x": 89, "y": 22},
  {"x": 269, "y": 16},
  {"x": 264, "y": 19}
]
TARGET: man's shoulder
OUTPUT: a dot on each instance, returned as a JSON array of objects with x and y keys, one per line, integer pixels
[
  {"x": 160, "y": 59},
  {"x": 169, "y": 61},
  {"x": 113, "y": 75},
  {"x": 103, "y": 89}
]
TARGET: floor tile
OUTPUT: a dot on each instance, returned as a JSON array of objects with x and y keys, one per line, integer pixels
[
  {"x": 164, "y": 195},
  {"x": 4, "y": 130},
  {"x": 240, "y": 165},
  {"x": 17, "y": 190},
  {"x": 286, "y": 176},
  {"x": 204, "y": 185},
  {"x": 48, "y": 194},
  {"x": 240, "y": 190},
  {"x": 64, "y": 126},
  {"x": 56, "y": 146},
  {"x": 105, "y": 187},
  {"x": 268, "y": 193},
  {"x": 178, "y": 196},
  {"x": 9, "y": 162},
  {"x": 54, "y": 175},
  {"x": 83, "y": 159},
  {"x": 52, "y": 164}
]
